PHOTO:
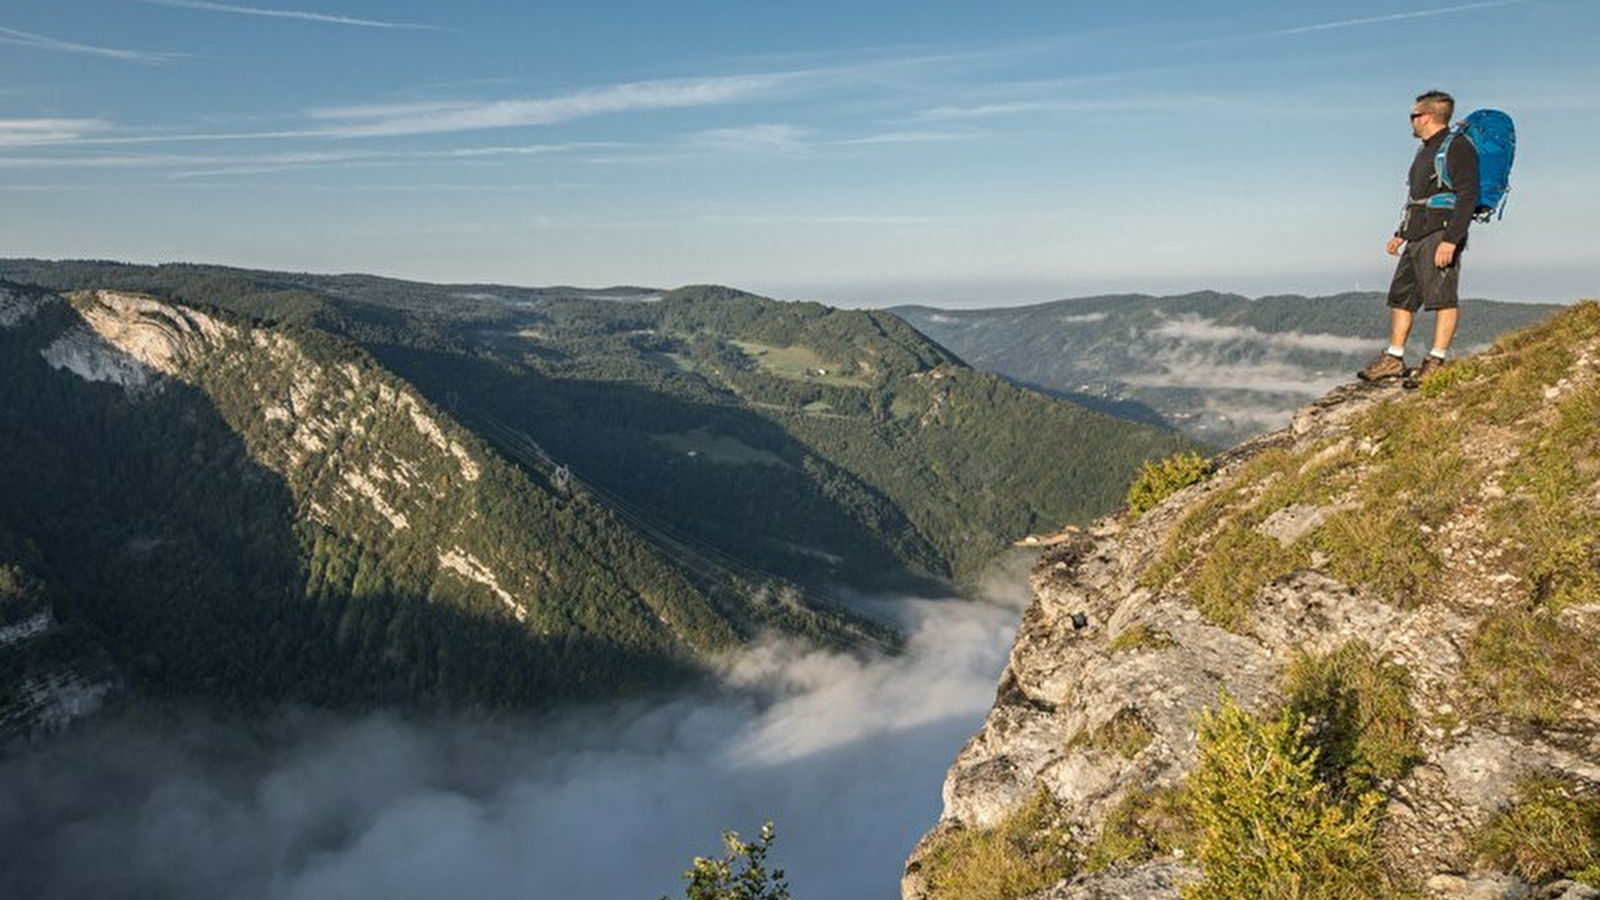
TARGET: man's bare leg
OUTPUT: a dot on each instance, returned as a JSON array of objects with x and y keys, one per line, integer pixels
[
  {"x": 1444, "y": 329},
  {"x": 1400, "y": 326}
]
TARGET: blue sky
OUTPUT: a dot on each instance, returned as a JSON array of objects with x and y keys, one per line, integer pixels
[{"x": 856, "y": 153}]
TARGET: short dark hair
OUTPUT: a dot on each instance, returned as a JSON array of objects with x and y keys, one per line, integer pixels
[{"x": 1438, "y": 104}]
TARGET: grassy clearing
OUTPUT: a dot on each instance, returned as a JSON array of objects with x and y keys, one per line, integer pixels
[
  {"x": 1026, "y": 852},
  {"x": 1218, "y": 551},
  {"x": 1551, "y": 516},
  {"x": 1140, "y": 636},
  {"x": 1418, "y": 478},
  {"x": 1144, "y": 825},
  {"x": 1524, "y": 664},
  {"x": 799, "y": 364},
  {"x": 1551, "y": 831}
]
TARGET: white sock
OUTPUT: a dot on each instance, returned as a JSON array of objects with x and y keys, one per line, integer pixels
[
  {"x": 1396, "y": 351},
  {"x": 1436, "y": 352}
]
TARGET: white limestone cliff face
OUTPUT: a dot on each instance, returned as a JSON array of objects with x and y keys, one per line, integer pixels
[
  {"x": 91, "y": 357},
  {"x": 1068, "y": 676},
  {"x": 160, "y": 335},
  {"x": 313, "y": 411}
]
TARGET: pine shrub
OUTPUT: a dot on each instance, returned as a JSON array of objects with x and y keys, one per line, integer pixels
[{"x": 1267, "y": 826}]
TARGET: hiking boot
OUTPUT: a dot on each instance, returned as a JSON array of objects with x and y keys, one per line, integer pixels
[
  {"x": 1430, "y": 364},
  {"x": 1382, "y": 368}
]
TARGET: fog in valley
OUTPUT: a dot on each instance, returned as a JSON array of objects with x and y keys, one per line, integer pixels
[{"x": 846, "y": 755}]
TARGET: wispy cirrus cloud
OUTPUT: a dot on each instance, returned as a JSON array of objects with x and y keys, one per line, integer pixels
[
  {"x": 1132, "y": 103},
  {"x": 300, "y": 15},
  {"x": 908, "y": 137},
  {"x": 33, "y": 132},
  {"x": 1375, "y": 20},
  {"x": 389, "y": 120},
  {"x": 784, "y": 138},
  {"x": 44, "y": 42},
  {"x": 191, "y": 166}
]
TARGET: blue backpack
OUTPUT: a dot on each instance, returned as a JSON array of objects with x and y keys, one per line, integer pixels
[{"x": 1495, "y": 139}]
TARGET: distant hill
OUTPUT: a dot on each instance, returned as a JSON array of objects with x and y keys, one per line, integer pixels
[
  {"x": 1221, "y": 367},
  {"x": 828, "y": 447}
]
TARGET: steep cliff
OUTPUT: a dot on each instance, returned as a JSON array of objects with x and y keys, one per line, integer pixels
[
  {"x": 1392, "y": 604},
  {"x": 205, "y": 506}
]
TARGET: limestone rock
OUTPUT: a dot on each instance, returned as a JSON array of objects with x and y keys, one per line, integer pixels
[
  {"x": 1102, "y": 642},
  {"x": 1154, "y": 881}
]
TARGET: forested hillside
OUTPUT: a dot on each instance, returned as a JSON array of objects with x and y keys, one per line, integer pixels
[
  {"x": 826, "y": 447},
  {"x": 254, "y": 513}
]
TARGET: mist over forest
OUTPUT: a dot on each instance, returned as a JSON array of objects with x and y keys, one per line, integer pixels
[{"x": 844, "y": 754}]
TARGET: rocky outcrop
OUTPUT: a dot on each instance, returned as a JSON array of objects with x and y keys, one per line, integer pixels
[
  {"x": 50, "y": 675},
  {"x": 1111, "y": 636}
]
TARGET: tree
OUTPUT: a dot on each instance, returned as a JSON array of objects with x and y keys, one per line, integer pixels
[{"x": 741, "y": 874}]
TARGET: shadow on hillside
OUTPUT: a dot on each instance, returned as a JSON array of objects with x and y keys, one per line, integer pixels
[
  {"x": 783, "y": 513},
  {"x": 168, "y": 543}
]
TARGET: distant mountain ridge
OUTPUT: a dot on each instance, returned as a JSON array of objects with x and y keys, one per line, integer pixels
[
  {"x": 1221, "y": 367},
  {"x": 254, "y": 487}
]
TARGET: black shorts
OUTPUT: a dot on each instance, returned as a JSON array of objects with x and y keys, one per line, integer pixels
[{"x": 1418, "y": 283}]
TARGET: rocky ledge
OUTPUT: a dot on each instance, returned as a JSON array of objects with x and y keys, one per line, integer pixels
[{"x": 1125, "y": 634}]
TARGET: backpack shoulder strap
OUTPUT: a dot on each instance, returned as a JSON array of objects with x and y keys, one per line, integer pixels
[{"x": 1441, "y": 171}]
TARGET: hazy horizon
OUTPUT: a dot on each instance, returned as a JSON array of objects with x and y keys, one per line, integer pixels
[{"x": 859, "y": 154}]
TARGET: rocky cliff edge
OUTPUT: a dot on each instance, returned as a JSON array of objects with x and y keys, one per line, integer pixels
[{"x": 1449, "y": 537}]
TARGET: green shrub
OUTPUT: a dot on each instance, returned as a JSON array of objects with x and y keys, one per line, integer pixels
[
  {"x": 1551, "y": 830},
  {"x": 1267, "y": 826},
  {"x": 1161, "y": 479},
  {"x": 1360, "y": 715},
  {"x": 1026, "y": 852}
]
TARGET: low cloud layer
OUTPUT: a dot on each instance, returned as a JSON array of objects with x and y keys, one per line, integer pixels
[
  {"x": 1200, "y": 330},
  {"x": 846, "y": 755},
  {"x": 1199, "y": 353}
]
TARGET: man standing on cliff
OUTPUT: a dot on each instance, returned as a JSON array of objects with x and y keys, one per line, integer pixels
[{"x": 1429, "y": 242}]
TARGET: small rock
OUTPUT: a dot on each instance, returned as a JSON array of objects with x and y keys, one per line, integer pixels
[
  {"x": 1568, "y": 890},
  {"x": 1487, "y": 886}
]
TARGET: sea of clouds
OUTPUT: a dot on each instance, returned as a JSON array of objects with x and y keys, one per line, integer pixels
[{"x": 845, "y": 754}]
